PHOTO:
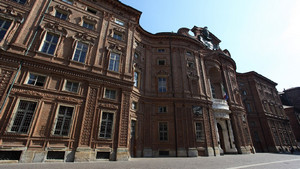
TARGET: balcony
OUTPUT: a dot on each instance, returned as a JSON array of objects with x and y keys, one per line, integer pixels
[{"x": 220, "y": 104}]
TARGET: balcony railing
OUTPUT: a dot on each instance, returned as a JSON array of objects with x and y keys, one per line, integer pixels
[{"x": 220, "y": 104}]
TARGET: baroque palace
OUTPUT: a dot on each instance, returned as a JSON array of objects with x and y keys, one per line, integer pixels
[{"x": 81, "y": 80}]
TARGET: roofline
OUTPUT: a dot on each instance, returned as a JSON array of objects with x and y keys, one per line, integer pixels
[{"x": 253, "y": 73}]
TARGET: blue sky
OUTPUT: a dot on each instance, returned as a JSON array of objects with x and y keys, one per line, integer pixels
[{"x": 261, "y": 35}]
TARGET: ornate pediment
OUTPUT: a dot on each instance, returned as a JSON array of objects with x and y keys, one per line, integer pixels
[
  {"x": 10, "y": 13},
  {"x": 55, "y": 28},
  {"x": 84, "y": 38},
  {"x": 162, "y": 72},
  {"x": 116, "y": 48}
]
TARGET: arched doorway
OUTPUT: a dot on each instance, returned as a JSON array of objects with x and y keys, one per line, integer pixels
[{"x": 221, "y": 137}]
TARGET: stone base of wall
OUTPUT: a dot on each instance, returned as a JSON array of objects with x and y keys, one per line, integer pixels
[
  {"x": 83, "y": 154},
  {"x": 193, "y": 152},
  {"x": 181, "y": 152},
  {"x": 122, "y": 154}
]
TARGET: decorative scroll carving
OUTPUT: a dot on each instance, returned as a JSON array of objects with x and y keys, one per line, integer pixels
[
  {"x": 115, "y": 47},
  {"x": 55, "y": 28},
  {"x": 5, "y": 77},
  {"x": 162, "y": 72},
  {"x": 192, "y": 75},
  {"x": 10, "y": 13},
  {"x": 90, "y": 19},
  {"x": 88, "y": 117},
  {"x": 109, "y": 106},
  {"x": 84, "y": 37}
]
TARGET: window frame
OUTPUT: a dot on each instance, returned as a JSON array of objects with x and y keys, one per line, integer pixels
[
  {"x": 38, "y": 75},
  {"x": 56, "y": 119},
  {"x": 70, "y": 2},
  {"x": 65, "y": 84},
  {"x": 119, "y": 22},
  {"x": 136, "y": 105},
  {"x": 112, "y": 127},
  {"x": 109, "y": 89},
  {"x": 50, "y": 43},
  {"x": 202, "y": 136},
  {"x": 163, "y": 131},
  {"x": 162, "y": 109},
  {"x": 2, "y": 27},
  {"x": 86, "y": 24},
  {"x": 14, "y": 116},
  {"x": 136, "y": 78},
  {"x": 80, "y": 51},
  {"x": 159, "y": 61},
  {"x": 116, "y": 62},
  {"x": 162, "y": 84},
  {"x": 61, "y": 14},
  {"x": 19, "y": 2},
  {"x": 118, "y": 35}
]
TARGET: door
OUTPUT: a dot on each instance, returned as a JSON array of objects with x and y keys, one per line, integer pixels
[
  {"x": 133, "y": 138},
  {"x": 221, "y": 137}
]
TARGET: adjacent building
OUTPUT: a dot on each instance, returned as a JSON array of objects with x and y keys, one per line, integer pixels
[
  {"x": 269, "y": 125},
  {"x": 82, "y": 81}
]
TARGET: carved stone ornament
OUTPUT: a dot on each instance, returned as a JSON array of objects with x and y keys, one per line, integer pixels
[
  {"x": 197, "y": 110},
  {"x": 192, "y": 75},
  {"x": 84, "y": 37},
  {"x": 63, "y": 8},
  {"x": 90, "y": 19},
  {"x": 116, "y": 47},
  {"x": 109, "y": 106},
  {"x": 10, "y": 13},
  {"x": 162, "y": 72},
  {"x": 55, "y": 28}
]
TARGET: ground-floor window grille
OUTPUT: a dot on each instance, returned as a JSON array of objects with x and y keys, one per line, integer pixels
[
  {"x": 102, "y": 155},
  {"x": 163, "y": 153},
  {"x": 10, "y": 155},
  {"x": 56, "y": 155}
]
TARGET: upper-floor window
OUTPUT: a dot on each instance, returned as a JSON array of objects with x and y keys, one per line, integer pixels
[
  {"x": 136, "y": 79},
  {"x": 136, "y": 55},
  {"x": 189, "y": 53},
  {"x": 49, "y": 43},
  {"x": 106, "y": 127},
  {"x": 110, "y": 94},
  {"x": 91, "y": 10},
  {"x": 88, "y": 25},
  {"x": 71, "y": 86},
  {"x": 23, "y": 116},
  {"x": 20, "y": 1},
  {"x": 190, "y": 64},
  {"x": 68, "y": 1},
  {"x": 118, "y": 21},
  {"x": 36, "y": 80},
  {"x": 134, "y": 105},
  {"x": 63, "y": 120},
  {"x": 162, "y": 84},
  {"x": 4, "y": 26},
  {"x": 248, "y": 106},
  {"x": 160, "y": 50},
  {"x": 213, "y": 91},
  {"x": 162, "y": 109},
  {"x": 161, "y": 62},
  {"x": 114, "y": 61},
  {"x": 80, "y": 52},
  {"x": 118, "y": 36},
  {"x": 61, "y": 15}
]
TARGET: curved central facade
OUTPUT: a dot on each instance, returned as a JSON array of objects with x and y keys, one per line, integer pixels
[{"x": 88, "y": 83}]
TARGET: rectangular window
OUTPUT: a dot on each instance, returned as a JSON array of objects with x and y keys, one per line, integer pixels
[
  {"x": 4, "y": 25},
  {"x": 162, "y": 109},
  {"x": 162, "y": 85},
  {"x": 68, "y": 1},
  {"x": 160, "y": 50},
  {"x": 49, "y": 44},
  {"x": 134, "y": 105},
  {"x": 161, "y": 62},
  {"x": 248, "y": 107},
  {"x": 71, "y": 86},
  {"x": 119, "y": 22},
  {"x": 23, "y": 116},
  {"x": 36, "y": 80},
  {"x": 136, "y": 79},
  {"x": 118, "y": 36},
  {"x": 163, "y": 131},
  {"x": 199, "y": 131},
  {"x": 114, "y": 61},
  {"x": 110, "y": 94},
  {"x": 90, "y": 10},
  {"x": 106, "y": 125},
  {"x": 80, "y": 52},
  {"x": 88, "y": 25},
  {"x": 61, "y": 15},
  {"x": 136, "y": 55},
  {"x": 63, "y": 122},
  {"x": 190, "y": 64},
  {"x": 20, "y": 1},
  {"x": 213, "y": 91},
  {"x": 189, "y": 53}
]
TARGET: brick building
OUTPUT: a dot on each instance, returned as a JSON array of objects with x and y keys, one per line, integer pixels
[
  {"x": 269, "y": 125},
  {"x": 290, "y": 98},
  {"x": 82, "y": 81}
]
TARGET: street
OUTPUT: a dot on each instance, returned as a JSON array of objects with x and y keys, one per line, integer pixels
[{"x": 250, "y": 161}]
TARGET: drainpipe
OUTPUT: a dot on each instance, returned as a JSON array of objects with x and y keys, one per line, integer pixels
[
  {"x": 174, "y": 107},
  {"x": 25, "y": 54}
]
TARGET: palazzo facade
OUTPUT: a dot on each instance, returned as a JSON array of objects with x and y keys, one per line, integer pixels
[{"x": 81, "y": 80}]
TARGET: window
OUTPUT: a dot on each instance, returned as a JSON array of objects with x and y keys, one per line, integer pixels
[
  {"x": 162, "y": 109},
  {"x": 213, "y": 91},
  {"x": 248, "y": 107},
  {"x": 118, "y": 36},
  {"x": 20, "y": 1},
  {"x": 80, "y": 52},
  {"x": 23, "y": 116},
  {"x": 88, "y": 25},
  {"x": 63, "y": 121},
  {"x": 189, "y": 53},
  {"x": 136, "y": 79},
  {"x": 68, "y": 1},
  {"x": 161, "y": 62},
  {"x": 190, "y": 64},
  {"x": 119, "y": 22},
  {"x": 244, "y": 92},
  {"x": 199, "y": 131},
  {"x": 114, "y": 61},
  {"x": 106, "y": 127},
  {"x": 110, "y": 94},
  {"x": 71, "y": 86},
  {"x": 49, "y": 44},
  {"x": 160, "y": 50},
  {"x": 163, "y": 131},
  {"x": 162, "y": 84},
  {"x": 61, "y": 15},
  {"x": 136, "y": 55},
  {"x": 4, "y": 25},
  {"x": 90, "y": 10},
  {"x": 36, "y": 80},
  {"x": 134, "y": 105}
]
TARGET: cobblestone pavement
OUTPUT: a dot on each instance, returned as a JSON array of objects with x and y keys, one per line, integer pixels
[{"x": 250, "y": 161}]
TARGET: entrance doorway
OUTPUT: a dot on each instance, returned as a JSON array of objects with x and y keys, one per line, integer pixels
[
  {"x": 133, "y": 139},
  {"x": 221, "y": 138}
]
